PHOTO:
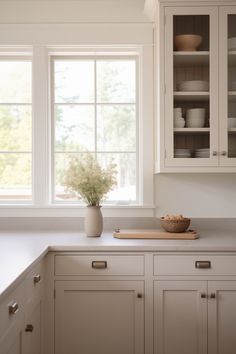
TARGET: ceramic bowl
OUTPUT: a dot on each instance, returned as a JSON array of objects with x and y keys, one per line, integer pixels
[
  {"x": 175, "y": 225},
  {"x": 177, "y": 112},
  {"x": 196, "y": 113},
  {"x": 231, "y": 122},
  {"x": 195, "y": 122},
  {"x": 232, "y": 43},
  {"x": 193, "y": 85},
  {"x": 187, "y": 42},
  {"x": 179, "y": 122}
]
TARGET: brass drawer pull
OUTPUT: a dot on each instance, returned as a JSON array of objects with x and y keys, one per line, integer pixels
[
  {"x": 212, "y": 296},
  {"x": 37, "y": 278},
  {"x": 202, "y": 264},
  {"x": 99, "y": 264},
  {"x": 13, "y": 308},
  {"x": 29, "y": 328},
  {"x": 203, "y": 296}
]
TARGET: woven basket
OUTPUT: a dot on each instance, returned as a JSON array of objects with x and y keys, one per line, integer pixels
[{"x": 175, "y": 225}]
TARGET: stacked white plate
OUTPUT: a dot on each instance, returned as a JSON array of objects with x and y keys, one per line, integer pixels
[
  {"x": 232, "y": 43},
  {"x": 202, "y": 153},
  {"x": 182, "y": 153},
  {"x": 193, "y": 85}
]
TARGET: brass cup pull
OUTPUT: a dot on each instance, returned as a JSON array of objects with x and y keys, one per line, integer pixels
[
  {"x": 212, "y": 296},
  {"x": 37, "y": 278},
  {"x": 99, "y": 264},
  {"x": 202, "y": 264},
  {"x": 29, "y": 328},
  {"x": 203, "y": 296},
  {"x": 13, "y": 308}
]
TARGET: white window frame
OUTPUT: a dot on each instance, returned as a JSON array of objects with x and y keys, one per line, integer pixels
[{"x": 39, "y": 41}]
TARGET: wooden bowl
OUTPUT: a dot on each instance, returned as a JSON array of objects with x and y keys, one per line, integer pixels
[
  {"x": 175, "y": 225},
  {"x": 187, "y": 42}
]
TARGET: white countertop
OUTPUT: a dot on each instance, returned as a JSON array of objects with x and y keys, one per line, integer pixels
[{"x": 19, "y": 250}]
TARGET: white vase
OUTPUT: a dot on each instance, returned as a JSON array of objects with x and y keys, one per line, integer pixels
[{"x": 93, "y": 221}]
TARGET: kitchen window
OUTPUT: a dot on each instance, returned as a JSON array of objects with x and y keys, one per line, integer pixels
[
  {"x": 15, "y": 129},
  {"x": 69, "y": 101},
  {"x": 95, "y": 110}
]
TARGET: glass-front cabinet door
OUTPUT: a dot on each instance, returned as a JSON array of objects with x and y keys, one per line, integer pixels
[
  {"x": 191, "y": 87},
  {"x": 227, "y": 85}
]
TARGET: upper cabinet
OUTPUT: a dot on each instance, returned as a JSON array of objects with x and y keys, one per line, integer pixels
[{"x": 196, "y": 82}]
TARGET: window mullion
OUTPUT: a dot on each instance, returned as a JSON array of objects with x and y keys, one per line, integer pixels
[{"x": 40, "y": 126}]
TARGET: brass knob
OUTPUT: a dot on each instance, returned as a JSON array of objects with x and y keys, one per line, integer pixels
[
  {"x": 13, "y": 308},
  {"x": 139, "y": 296},
  {"x": 214, "y": 153},
  {"x": 29, "y": 328},
  {"x": 212, "y": 296},
  {"x": 37, "y": 278},
  {"x": 203, "y": 296}
]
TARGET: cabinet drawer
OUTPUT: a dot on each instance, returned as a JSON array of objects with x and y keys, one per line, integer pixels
[
  {"x": 12, "y": 309},
  {"x": 194, "y": 265},
  {"x": 99, "y": 265},
  {"x": 34, "y": 281}
]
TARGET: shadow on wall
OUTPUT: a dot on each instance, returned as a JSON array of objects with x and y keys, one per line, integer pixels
[{"x": 196, "y": 195}]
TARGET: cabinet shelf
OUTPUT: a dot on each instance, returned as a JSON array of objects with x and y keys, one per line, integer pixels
[
  {"x": 192, "y": 96},
  {"x": 193, "y": 130},
  {"x": 191, "y": 58}
]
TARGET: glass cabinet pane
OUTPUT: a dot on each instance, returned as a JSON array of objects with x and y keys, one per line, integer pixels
[
  {"x": 191, "y": 95},
  {"x": 231, "y": 86}
]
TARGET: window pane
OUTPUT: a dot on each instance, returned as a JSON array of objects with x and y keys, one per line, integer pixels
[
  {"x": 15, "y": 176},
  {"x": 74, "y": 128},
  {"x": 15, "y": 84},
  {"x": 15, "y": 128},
  {"x": 74, "y": 81},
  {"x": 116, "y": 128},
  {"x": 126, "y": 177},
  {"x": 116, "y": 81}
]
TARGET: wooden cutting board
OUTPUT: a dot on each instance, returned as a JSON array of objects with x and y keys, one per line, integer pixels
[{"x": 155, "y": 234}]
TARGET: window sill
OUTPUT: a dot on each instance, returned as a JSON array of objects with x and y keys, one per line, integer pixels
[{"x": 73, "y": 211}]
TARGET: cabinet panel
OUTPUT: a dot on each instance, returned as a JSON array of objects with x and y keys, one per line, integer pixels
[
  {"x": 186, "y": 265},
  {"x": 222, "y": 317},
  {"x": 100, "y": 317},
  {"x": 180, "y": 317},
  {"x": 99, "y": 265}
]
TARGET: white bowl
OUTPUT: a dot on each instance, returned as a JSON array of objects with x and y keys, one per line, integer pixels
[
  {"x": 196, "y": 113},
  {"x": 195, "y": 122},
  {"x": 231, "y": 122},
  {"x": 232, "y": 43},
  {"x": 193, "y": 85}
]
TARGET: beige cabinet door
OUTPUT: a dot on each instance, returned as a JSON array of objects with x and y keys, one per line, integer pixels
[
  {"x": 12, "y": 342},
  {"x": 222, "y": 317},
  {"x": 180, "y": 317},
  {"x": 102, "y": 317},
  {"x": 32, "y": 339}
]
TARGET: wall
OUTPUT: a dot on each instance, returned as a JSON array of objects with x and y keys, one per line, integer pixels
[{"x": 195, "y": 195}]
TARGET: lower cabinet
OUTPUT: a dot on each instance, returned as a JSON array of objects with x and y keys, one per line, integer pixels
[
  {"x": 103, "y": 316},
  {"x": 197, "y": 317},
  {"x": 32, "y": 335}
]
